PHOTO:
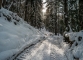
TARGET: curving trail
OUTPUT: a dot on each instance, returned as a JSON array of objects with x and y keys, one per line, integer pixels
[{"x": 49, "y": 49}]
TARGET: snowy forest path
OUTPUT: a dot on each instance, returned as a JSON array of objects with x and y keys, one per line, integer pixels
[{"x": 49, "y": 49}]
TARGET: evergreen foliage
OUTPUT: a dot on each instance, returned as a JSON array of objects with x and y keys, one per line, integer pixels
[{"x": 60, "y": 16}]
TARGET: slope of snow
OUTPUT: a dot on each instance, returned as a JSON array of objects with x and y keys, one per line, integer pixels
[{"x": 13, "y": 37}]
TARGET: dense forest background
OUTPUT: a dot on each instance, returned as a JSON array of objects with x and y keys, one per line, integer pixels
[{"x": 56, "y": 16}]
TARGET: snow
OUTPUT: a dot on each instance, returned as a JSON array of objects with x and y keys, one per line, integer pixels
[
  {"x": 16, "y": 34},
  {"x": 14, "y": 37},
  {"x": 4, "y": 55},
  {"x": 77, "y": 50},
  {"x": 49, "y": 49}
]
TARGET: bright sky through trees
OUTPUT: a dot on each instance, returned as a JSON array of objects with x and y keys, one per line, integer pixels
[{"x": 44, "y": 7}]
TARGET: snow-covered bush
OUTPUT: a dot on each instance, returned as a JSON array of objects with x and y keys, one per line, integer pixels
[{"x": 77, "y": 46}]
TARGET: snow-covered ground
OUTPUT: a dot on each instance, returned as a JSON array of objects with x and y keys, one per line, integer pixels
[
  {"x": 53, "y": 48},
  {"x": 49, "y": 49},
  {"x": 15, "y": 34},
  {"x": 15, "y": 37}
]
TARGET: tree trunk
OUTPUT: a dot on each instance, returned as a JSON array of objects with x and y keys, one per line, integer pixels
[
  {"x": 4, "y": 2},
  {"x": 0, "y": 3},
  {"x": 26, "y": 10}
]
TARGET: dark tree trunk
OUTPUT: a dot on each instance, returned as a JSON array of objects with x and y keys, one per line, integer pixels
[
  {"x": 26, "y": 10},
  {"x": 0, "y": 3},
  {"x": 66, "y": 14},
  {"x": 81, "y": 14},
  {"x": 4, "y": 2}
]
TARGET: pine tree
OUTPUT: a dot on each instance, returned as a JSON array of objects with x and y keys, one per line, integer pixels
[
  {"x": 55, "y": 14},
  {"x": 73, "y": 14},
  {"x": 33, "y": 12},
  {"x": 51, "y": 18}
]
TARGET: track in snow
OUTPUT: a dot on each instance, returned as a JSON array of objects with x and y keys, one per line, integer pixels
[{"x": 45, "y": 50}]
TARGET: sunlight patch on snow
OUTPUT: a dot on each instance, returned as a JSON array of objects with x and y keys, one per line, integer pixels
[
  {"x": 59, "y": 51},
  {"x": 34, "y": 53}
]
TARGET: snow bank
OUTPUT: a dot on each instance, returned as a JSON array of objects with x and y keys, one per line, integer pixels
[
  {"x": 77, "y": 46},
  {"x": 15, "y": 32},
  {"x": 4, "y": 55}
]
